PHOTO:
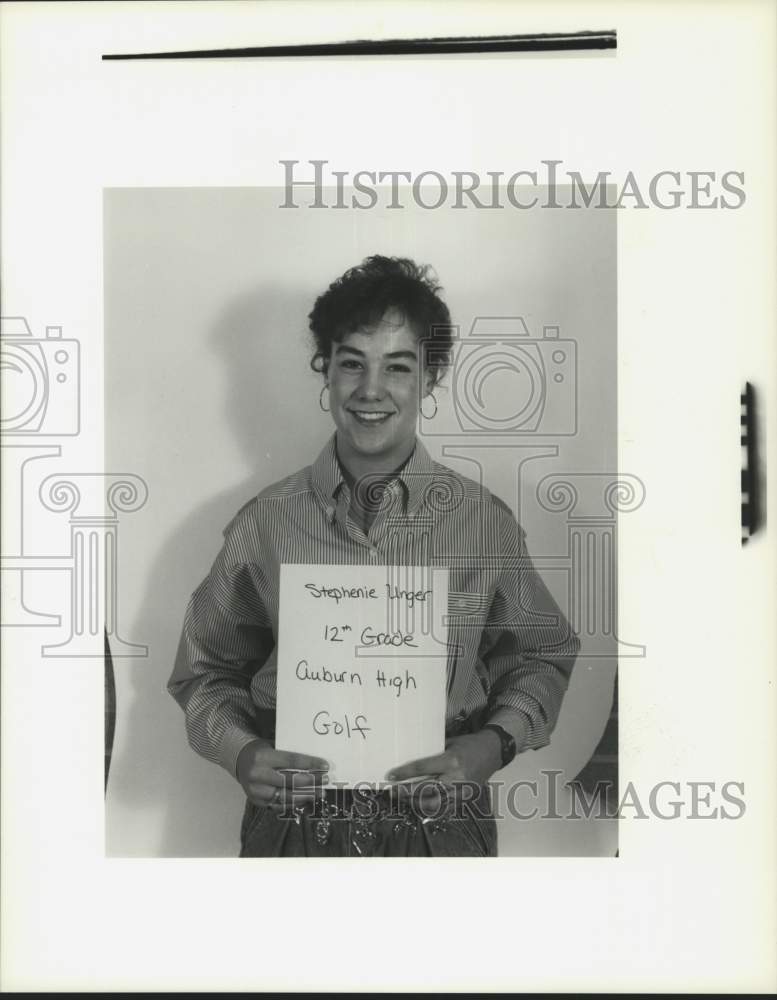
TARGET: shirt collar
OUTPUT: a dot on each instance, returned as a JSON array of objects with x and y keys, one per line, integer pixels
[
  {"x": 415, "y": 475},
  {"x": 326, "y": 475}
]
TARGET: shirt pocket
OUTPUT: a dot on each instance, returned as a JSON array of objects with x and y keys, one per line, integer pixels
[{"x": 466, "y": 604}]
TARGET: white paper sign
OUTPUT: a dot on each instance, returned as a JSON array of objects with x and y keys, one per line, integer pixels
[{"x": 362, "y": 666}]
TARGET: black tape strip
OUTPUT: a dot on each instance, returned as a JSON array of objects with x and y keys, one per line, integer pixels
[
  {"x": 572, "y": 41},
  {"x": 751, "y": 486}
]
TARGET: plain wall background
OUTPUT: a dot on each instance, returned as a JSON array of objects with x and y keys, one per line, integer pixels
[{"x": 209, "y": 398}]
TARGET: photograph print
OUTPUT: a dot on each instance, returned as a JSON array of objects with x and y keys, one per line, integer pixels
[{"x": 368, "y": 605}]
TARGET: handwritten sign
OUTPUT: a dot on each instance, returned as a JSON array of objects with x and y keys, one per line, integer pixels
[{"x": 362, "y": 666}]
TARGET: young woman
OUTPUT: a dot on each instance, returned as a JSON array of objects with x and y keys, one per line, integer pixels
[{"x": 361, "y": 502}]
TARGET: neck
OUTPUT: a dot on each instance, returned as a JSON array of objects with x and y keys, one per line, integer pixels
[{"x": 355, "y": 466}]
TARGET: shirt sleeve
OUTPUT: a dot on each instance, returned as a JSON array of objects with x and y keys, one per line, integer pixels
[
  {"x": 528, "y": 648},
  {"x": 227, "y": 636}
]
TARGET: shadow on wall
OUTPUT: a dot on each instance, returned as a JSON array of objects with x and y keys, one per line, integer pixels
[{"x": 155, "y": 772}]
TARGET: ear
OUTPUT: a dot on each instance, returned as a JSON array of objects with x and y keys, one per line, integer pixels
[{"x": 429, "y": 381}]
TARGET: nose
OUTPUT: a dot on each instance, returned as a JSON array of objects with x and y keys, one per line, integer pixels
[{"x": 371, "y": 384}]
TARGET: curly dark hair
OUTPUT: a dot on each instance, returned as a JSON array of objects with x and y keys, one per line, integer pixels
[{"x": 362, "y": 296}]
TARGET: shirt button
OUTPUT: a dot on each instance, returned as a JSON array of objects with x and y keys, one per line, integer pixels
[{"x": 373, "y": 553}]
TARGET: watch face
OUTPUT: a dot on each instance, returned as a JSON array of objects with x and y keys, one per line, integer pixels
[{"x": 508, "y": 747}]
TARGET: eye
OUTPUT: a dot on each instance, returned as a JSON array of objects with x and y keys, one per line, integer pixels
[
  {"x": 399, "y": 368},
  {"x": 350, "y": 363}
]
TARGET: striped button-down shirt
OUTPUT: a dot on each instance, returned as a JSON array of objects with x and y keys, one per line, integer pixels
[{"x": 510, "y": 648}]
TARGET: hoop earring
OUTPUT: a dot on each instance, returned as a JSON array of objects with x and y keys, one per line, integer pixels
[
  {"x": 321, "y": 399},
  {"x": 421, "y": 407}
]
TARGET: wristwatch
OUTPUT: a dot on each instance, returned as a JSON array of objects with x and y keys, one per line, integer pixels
[{"x": 507, "y": 741}]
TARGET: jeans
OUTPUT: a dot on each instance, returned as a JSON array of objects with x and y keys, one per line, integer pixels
[{"x": 373, "y": 826}]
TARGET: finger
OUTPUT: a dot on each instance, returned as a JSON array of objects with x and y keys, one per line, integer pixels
[
  {"x": 425, "y": 765},
  {"x": 291, "y": 778},
  {"x": 426, "y": 790},
  {"x": 302, "y": 761},
  {"x": 287, "y": 759},
  {"x": 261, "y": 795},
  {"x": 426, "y": 801},
  {"x": 276, "y": 797},
  {"x": 434, "y": 799},
  {"x": 430, "y": 786},
  {"x": 284, "y": 778},
  {"x": 407, "y": 788}
]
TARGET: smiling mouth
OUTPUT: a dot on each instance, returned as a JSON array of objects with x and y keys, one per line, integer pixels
[{"x": 370, "y": 418}]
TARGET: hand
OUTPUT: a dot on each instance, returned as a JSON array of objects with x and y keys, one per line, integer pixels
[
  {"x": 473, "y": 757},
  {"x": 260, "y": 771}
]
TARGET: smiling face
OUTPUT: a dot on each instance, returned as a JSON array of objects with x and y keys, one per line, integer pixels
[{"x": 374, "y": 395}]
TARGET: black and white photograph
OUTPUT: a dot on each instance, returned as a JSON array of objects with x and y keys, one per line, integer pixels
[
  {"x": 388, "y": 556},
  {"x": 411, "y": 394}
]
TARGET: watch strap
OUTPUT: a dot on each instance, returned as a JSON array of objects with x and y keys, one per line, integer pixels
[{"x": 507, "y": 741}]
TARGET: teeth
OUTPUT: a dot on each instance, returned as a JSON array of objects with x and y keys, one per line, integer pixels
[{"x": 373, "y": 417}]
